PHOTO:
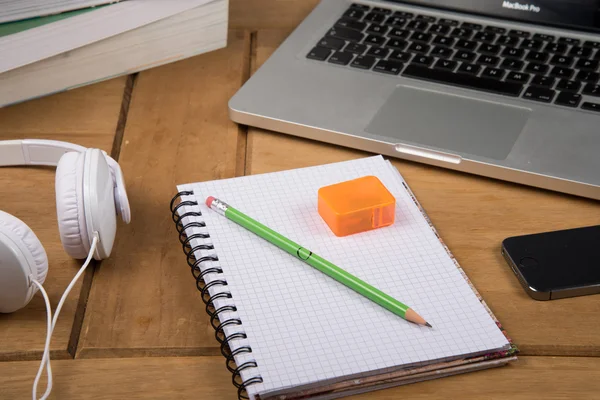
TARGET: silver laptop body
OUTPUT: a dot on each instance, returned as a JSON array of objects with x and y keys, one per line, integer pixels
[{"x": 481, "y": 124}]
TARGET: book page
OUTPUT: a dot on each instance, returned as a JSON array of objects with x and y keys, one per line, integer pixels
[
  {"x": 59, "y": 37},
  {"x": 303, "y": 326}
]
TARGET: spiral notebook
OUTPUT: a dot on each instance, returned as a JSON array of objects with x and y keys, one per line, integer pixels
[{"x": 290, "y": 332}]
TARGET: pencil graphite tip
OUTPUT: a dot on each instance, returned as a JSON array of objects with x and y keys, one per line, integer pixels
[{"x": 428, "y": 324}]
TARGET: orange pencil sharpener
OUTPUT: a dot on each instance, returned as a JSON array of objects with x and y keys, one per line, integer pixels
[{"x": 356, "y": 206}]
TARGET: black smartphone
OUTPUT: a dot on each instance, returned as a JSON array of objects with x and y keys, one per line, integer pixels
[{"x": 555, "y": 265}]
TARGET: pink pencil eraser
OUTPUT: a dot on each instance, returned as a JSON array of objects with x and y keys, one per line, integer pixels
[{"x": 209, "y": 201}]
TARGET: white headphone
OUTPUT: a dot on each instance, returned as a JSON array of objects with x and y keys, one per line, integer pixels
[{"x": 90, "y": 191}]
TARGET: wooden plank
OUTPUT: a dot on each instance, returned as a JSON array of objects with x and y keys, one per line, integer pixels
[
  {"x": 268, "y": 14},
  {"x": 143, "y": 300},
  {"x": 473, "y": 215},
  {"x": 207, "y": 378},
  {"x": 87, "y": 116}
]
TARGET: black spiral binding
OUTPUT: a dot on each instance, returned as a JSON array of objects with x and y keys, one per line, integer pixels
[{"x": 203, "y": 287}]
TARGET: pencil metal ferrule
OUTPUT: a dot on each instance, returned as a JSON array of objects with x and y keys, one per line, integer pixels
[{"x": 219, "y": 206}]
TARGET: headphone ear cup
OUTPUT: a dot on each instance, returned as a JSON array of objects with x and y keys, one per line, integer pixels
[
  {"x": 69, "y": 205},
  {"x": 28, "y": 258}
]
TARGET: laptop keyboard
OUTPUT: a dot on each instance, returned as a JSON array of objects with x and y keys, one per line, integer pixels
[{"x": 492, "y": 59}]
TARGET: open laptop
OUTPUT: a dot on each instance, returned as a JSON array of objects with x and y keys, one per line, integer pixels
[{"x": 505, "y": 89}]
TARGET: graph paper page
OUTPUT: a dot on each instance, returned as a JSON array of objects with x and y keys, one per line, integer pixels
[{"x": 303, "y": 326}]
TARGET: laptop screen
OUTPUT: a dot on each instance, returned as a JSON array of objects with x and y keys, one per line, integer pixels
[{"x": 581, "y": 14}]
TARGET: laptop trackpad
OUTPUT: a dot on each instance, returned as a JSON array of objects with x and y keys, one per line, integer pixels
[{"x": 449, "y": 122}]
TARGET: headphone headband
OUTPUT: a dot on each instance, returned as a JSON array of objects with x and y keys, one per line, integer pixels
[
  {"x": 34, "y": 152},
  {"x": 49, "y": 152}
]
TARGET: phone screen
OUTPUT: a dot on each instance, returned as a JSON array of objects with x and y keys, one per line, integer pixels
[{"x": 560, "y": 263}]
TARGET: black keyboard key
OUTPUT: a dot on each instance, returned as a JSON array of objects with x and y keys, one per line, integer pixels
[
  {"x": 379, "y": 52},
  {"x": 495, "y": 29},
  {"x": 587, "y": 76},
  {"x": 536, "y": 56},
  {"x": 563, "y": 61},
  {"x": 442, "y": 52},
  {"x": 419, "y": 48},
  {"x": 375, "y": 17},
  {"x": 375, "y": 40},
  {"x": 582, "y": 52},
  {"x": 331, "y": 43},
  {"x": 507, "y": 40},
  {"x": 403, "y": 14},
  {"x": 377, "y": 29},
  {"x": 421, "y": 37},
  {"x": 512, "y": 64},
  {"x": 396, "y": 22},
  {"x": 319, "y": 53},
  {"x": 380, "y": 10},
  {"x": 360, "y": 7},
  {"x": 557, "y": 48},
  {"x": 448, "y": 65},
  {"x": 597, "y": 55},
  {"x": 531, "y": 44},
  {"x": 488, "y": 60},
  {"x": 487, "y": 37},
  {"x": 418, "y": 26},
  {"x": 388, "y": 67},
  {"x": 464, "y": 55},
  {"x": 591, "y": 90},
  {"x": 512, "y": 52},
  {"x": 593, "y": 45},
  {"x": 355, "y": 48},
  {"x": 466, "y": 44},
  {"x": 562, "y": 72},
  {"x": 447, "y": 21},
  {"x": 426, "y": 18},
  {"x": 351, "y": 35},
  {"x": 536, "y": 68},
  {"x": 571, "y": 41},
  {"x": 470, "y": 25},
  {"x": 519, "y": 77},
  {"x": 542, "y": 81},
  {"x": 399, "y": 33},
  {"x": 400, "y": 56},
  {"x": 539, "y": 94},
  {"x": 422, "y": 60},
  {"x": 363, "y": 62},
  {"x": 491, "y": 49},
  {"x": 568, "y": 99},
  {"x": 341, "y": 58},
  {"x": 354, "y": 13},
  {"x": 543, "y": 37},
  {"x": 589, "y": 65},
  {"x": 519, "y": 33},
  {"x": 571, "y": 86},
  {"x": 494, "y": 73},
  {"x": 439, "y": 29},
  {"x": 463, "y": 80},
  {"x": 351, "y": 24},
  {"x": 591, "y": 106},
  {"x": 471, "y": 69},
  {"x": 443, "y": 41},
  {"x": 397, "y": 44},
  {"x": 462, "y": 33}
]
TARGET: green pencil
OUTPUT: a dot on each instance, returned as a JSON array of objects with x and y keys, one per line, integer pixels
[{"x": 316, "y": 261}]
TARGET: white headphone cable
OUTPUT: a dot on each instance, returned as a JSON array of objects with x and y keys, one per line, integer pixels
[{"x": 52, "y": 322}]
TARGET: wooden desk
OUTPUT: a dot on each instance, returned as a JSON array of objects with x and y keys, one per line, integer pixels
[{"x": 135, "y": 326}]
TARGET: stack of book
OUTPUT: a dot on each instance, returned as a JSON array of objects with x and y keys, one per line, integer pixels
[{"x": 48, "y": 46}]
